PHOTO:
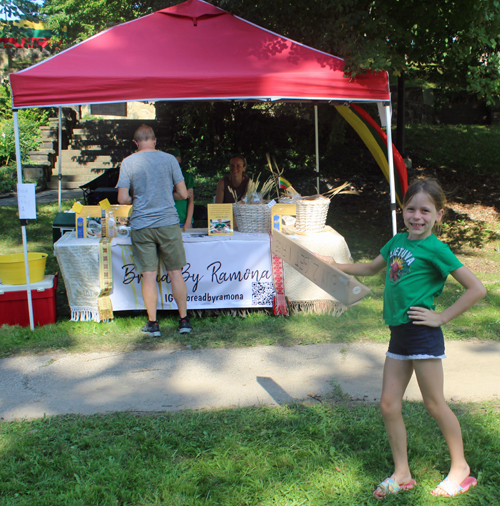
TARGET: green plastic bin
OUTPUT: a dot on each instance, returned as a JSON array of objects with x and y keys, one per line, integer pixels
[{"x": 63, "y": 222}]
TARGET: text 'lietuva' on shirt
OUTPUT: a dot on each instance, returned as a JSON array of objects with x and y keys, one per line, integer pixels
[{"x": 416, "y": 274}]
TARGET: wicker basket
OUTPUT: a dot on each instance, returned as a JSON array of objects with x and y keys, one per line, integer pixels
[
  {"x": 252, "y": 218},
  {"x": 288, "y": 200},
  {"x": 311, "y": 214}
]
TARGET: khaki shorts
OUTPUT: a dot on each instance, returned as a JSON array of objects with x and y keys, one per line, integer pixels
[{"x": 149, "y": 245}]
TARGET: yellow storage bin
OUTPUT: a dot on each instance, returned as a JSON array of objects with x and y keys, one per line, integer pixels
[{"x": 12, "y": 271}]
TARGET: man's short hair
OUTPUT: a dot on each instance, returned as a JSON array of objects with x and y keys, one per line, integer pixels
[{"x": 144, "y": 133}]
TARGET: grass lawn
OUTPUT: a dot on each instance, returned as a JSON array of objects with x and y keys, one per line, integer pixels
[
  {"x": 332, "y": 453},
  {"x": 327, "y": 454}
]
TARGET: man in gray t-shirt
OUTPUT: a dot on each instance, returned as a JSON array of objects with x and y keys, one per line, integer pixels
[{"x": 150, "y": 180}]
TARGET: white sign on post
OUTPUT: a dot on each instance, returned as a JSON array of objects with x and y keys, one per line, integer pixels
[{"x": 26, "y": 201}]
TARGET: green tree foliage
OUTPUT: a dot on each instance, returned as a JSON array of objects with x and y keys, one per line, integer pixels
[
  {"x": 30, "y": 121},
  {"x": 84, "y": 18},
  {"x": 15, "y": 9},
  {"x": 452, "y": 43},
  {"x": 18, "y": 9}
]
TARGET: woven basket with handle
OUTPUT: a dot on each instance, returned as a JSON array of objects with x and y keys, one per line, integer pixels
[
  {"x": 311, "y": 214},
  {"x": 252, "y": 218}
]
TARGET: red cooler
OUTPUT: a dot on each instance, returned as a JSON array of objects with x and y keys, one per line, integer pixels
[{"x": 14, "y": 303}]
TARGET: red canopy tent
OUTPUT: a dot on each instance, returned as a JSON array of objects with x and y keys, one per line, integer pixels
[{"x": 193, "y": 51}]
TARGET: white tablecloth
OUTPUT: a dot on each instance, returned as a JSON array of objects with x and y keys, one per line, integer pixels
[{"x": 79, "y": 264}]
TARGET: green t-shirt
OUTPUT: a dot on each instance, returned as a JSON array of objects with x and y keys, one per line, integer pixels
[
  {"x": 182, "y": 205},
  {"x": 416, "y": 273}
]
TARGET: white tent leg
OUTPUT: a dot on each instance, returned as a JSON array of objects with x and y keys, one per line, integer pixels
[
  {"x": 59, "y": 173},
  {"x": 316, "y": 135},
  {"x": 23, "y": 227},
  {"x": 390, "y": 159},
  {"x": 18, "y": 147}
]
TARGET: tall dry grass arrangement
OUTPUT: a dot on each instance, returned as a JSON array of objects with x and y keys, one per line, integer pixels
[{"x": 255, "y": 195}]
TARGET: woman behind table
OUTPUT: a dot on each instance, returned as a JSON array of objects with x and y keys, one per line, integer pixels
[
  {"x": 184, "y": 207},
  {"x": 418, "y": 264},
  {"x": 237, "y": 180}
]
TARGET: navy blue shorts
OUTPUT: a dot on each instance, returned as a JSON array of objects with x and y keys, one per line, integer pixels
[{"x": 413, "y": 342}]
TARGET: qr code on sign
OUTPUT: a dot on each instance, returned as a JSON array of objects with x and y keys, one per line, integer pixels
[{"x": 262, "y": 294}]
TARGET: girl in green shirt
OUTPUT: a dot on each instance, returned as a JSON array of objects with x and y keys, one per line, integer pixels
[{"x": 418, "y": 264}]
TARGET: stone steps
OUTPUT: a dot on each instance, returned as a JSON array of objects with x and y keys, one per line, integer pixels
[
  {"x": 87, "y": 166},
  {"x": 95, "y": 146},
  {"x": 66, "y": 185},
  {"x": 42, "y": 155},
  {"x": 71, "y": 152},
  {"x": 90, "y": 160},
  {"x": 78, "y": 171},
  {"x": 70, "y": 178},
  {"x": 45, "y": 143}
]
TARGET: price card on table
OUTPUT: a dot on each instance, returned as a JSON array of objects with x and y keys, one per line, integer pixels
[{"x": 26, "y": 201}]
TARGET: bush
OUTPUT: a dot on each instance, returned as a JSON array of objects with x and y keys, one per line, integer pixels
[
  {"x": 30, "y": 121},
  {"x": 29, "y": 130},
  {"x": 7, "y": 178}
]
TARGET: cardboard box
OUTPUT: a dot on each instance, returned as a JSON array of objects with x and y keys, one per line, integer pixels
[
  {"x": 220, "y": 219},
  {"x": 14, "y": 303},
  {"x": 344, "y": 288}
]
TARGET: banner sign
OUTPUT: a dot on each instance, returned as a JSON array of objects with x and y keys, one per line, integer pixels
[
  {"x": 218, "y": 274},
  {"x": 344, "y": 288}
]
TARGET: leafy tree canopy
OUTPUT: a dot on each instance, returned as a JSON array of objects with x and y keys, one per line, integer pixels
[
  {"x": 452, "y": 43},
  {"x": 16, "y": 9},
  {"x": 84, "y": 18}
]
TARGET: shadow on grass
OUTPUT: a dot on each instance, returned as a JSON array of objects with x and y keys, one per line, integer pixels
[{"x": 461, "y": 231}]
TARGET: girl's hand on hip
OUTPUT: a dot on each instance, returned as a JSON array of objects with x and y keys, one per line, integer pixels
[{"x": 423, "y": 316}]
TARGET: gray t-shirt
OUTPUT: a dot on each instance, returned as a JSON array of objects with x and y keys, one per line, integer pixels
[{"x": 150, "y": 177}]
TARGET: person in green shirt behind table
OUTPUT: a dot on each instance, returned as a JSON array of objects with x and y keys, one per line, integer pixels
[{"x": 185, "y": 208}]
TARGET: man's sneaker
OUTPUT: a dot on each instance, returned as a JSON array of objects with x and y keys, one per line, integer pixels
[
  {"x": 152, "y": 329},
  {"x": 185, "y": 326}
]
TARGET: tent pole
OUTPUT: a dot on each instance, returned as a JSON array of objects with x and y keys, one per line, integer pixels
[
  {"x": 23, "y": 222},
  {"x": 59, "y": 149},
  {"x": 18, "y": 147},
  {"x": 316, "y": 135},
  {"x": 390, "y": 159}
]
